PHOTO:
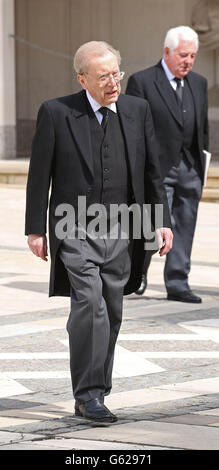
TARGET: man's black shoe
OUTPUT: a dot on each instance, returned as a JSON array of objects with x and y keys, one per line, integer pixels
[
  {"x": 186, "y": 296},
  {"x": 77, "y": 411},
  {"x": 77, "y": 403},
  {"x": 143, "y": 285},
  {"x": 96, "y": 411}
]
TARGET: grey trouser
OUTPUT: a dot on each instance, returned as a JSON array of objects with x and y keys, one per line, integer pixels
[
  {"x": 98, "y": 271},
  {"x": 183, "y": 186}
]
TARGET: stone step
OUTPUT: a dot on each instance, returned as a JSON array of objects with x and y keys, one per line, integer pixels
[
  {"x": 211, "y": 190},
  {"x": 213, "y": 177},
  {"x": 210, "y": 194},
  {"x": 15, "y": 172}
]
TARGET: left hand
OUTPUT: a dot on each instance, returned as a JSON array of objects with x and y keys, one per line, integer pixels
[
  {"x": 165, "y": 240},
  {"x": 38, "y": 245}
]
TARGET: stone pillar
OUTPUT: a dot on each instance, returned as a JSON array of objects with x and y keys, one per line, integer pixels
[
  {"x": 7, "y": 82},
  {"x": 217, "y": 66}
]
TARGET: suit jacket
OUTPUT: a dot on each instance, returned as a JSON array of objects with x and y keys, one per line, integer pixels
[
  {"x": 153, "y": 85},
  {"x": 62, "y": 153}
]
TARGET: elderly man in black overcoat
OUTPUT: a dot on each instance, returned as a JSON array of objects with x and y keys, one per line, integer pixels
[{"x": 98, "y": 145}]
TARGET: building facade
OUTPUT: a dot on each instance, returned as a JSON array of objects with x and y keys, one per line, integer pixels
[{"x": 38, "y": 39}]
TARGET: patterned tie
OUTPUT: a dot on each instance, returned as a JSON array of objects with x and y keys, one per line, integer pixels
[
  {"x": 179, "y": 90},
  {"x": 105, "y": 112}
]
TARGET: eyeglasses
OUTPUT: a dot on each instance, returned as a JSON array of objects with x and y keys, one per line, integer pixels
[{"x": 105, "y": 79}]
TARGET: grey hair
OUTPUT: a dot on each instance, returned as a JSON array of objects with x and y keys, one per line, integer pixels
[
  {"x": 92, "y": 49},
  {"x": 174, "y": 35}
]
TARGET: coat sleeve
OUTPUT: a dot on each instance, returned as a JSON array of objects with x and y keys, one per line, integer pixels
[
  {"x": 39, "y": 175},
  {"x": 135, "y": 87},
  {"x": 206, "y": 128},
  {"x": 154, "y": 188}
]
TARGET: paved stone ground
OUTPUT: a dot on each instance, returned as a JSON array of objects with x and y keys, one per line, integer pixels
[{"x": 166, "y": 372}]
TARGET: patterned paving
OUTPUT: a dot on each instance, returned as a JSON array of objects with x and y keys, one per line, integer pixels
[{"x": 166, "y": 370}]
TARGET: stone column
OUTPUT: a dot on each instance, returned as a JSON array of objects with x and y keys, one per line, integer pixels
[
  {"x": 217, "y": 67},
  {"x": 7, "y": 81}
]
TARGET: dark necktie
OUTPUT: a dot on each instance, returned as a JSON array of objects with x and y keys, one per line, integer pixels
[
  {"x": 105, "y": 112},
  {"x": 179, "y": 90}
]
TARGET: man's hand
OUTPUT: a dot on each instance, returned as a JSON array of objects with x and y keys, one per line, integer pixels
[
  {"x": 164, "y": 239},
  {"x": 38, "y": 245}
]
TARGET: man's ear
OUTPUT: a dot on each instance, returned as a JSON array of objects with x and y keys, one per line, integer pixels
[
  {"x": 166, "y": 52},
  {"x": 82, "y": 80}
]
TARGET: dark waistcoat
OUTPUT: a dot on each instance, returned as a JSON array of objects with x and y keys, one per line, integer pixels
[{"x": 111, "y": 169}]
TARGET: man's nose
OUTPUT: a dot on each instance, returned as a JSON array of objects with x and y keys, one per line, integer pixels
[
  {"x": 189, "y": 60},
  {"x": 112, "y": 79}
]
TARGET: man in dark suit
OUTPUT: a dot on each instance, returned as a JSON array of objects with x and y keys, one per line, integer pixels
[
  {"x": 99, "y": 146},
  {"x": 178, "y": 102}
]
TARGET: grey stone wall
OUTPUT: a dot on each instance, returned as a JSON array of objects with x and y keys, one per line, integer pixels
[
  {"x": 137, "y": 28},
  {"x": 7, "y": 142}
]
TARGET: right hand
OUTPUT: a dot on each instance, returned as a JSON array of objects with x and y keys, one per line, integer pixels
[
  {"x": 38, "y": 245},
  {"x": 165, "y": 240}
]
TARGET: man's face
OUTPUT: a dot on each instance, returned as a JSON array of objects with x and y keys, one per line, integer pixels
[
  {"x": 181, "y": 60},
  {"x": 93, "y": 79}
]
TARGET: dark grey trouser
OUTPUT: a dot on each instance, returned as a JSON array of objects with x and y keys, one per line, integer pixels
[
  {"x": 98, "y": 270},
  {"x": 183, "y": 186}
]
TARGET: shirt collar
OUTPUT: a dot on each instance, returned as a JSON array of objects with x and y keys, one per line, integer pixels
[
  {"x": 168, "y": 73},
  {"x": 96, "y": 106}
]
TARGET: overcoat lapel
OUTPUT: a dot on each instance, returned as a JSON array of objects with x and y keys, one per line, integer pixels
[
  {"x": 78, "y": 120},
  {"x": 195, "y": 90},
  {"x": 167, "y": 93},
  {"x": 128, "y": 124}
]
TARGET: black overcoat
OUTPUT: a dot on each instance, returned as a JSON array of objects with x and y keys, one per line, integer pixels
[
  {"x": 153, "y": 85},
  {"x": 61, "y": 158}
]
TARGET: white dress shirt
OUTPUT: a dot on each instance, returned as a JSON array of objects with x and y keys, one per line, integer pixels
[
  {"x": 170, "y": 76},
  {"x": 95, "y": 106}
]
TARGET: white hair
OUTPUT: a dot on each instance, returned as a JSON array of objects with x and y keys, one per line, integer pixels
[
  {"x": 92, "y": 49},
  {"x": 174, "y": 35}
]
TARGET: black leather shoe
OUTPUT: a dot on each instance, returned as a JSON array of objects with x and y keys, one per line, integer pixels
[
  {"x": 77, "y": 403},
  {"x": 143, "y": 285},
  {"x": 77, "y": 411},
  {"x": 186, "y": 296},
  {"x": 96, "y": 411}
]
